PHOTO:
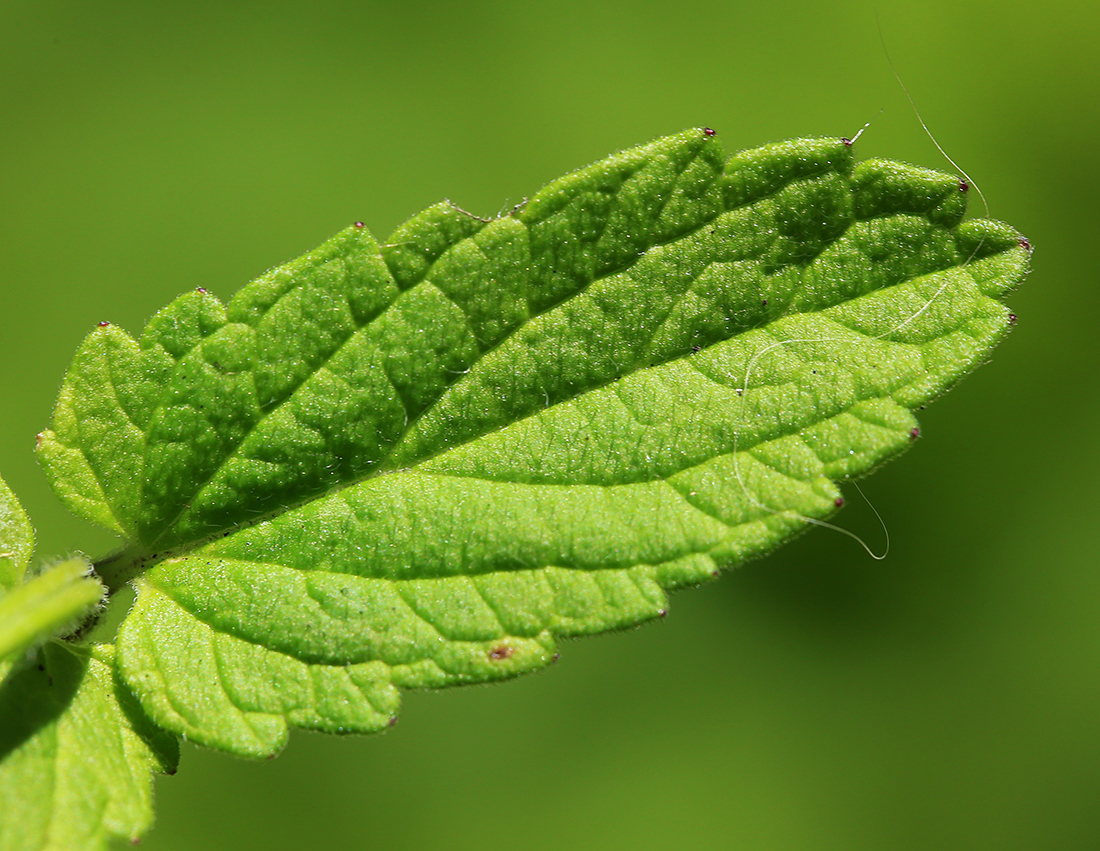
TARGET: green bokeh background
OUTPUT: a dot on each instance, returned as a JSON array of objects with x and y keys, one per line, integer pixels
[{"x": 946, "y": 698}]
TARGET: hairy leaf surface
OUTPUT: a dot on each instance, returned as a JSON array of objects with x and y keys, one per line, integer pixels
[
  {"x": 48, "y": 604},
  {"x": 418, "y": 463}
]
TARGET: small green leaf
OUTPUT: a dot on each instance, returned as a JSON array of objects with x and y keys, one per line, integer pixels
[
  {"x": 419, "y": 463},
  {"x": 16, "y": 539},
  {"x": 47, "y": 605},
  {"x": 75, "y": 754}
]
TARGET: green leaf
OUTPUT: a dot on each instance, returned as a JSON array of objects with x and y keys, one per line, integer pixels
[
  {"x": 33, "y": 610},
  {"x": 419, "y": 463},
  {"x": 75, "y": 754},
  {"x": 47, "y": 605},
  {"x": 16, "y": 539}
]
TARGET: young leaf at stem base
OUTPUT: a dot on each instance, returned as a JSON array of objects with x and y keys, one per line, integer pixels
[{"x": 47, "y": 605}]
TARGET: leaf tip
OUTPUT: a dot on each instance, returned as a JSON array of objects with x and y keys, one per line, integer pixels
[{"x": 708, "y": 132}]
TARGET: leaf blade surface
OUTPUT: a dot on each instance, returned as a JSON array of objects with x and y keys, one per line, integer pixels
[
  {"x": 75, "y": 754},
  {"x": 418, "y": 463},
  {"x": 16, "y": 539}
]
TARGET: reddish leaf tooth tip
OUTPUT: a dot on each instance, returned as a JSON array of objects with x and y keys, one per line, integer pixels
[
  {"x": 200, "y": 290},
  {"x": 914, "y": 433},
  {"x": 847, "y": 142},
  {"x": 103, "y": 324},
  {"x": 963, "y": 186},
  {"x": 1024, "y": 242},
  {"x": 1012, "y": 319},
  {"x": 708, "y": 132},
  {"x": 716, "y": 573},
  {"x": 38, "y": 440},
  {"x": 662, "y": 612},
  {"x": 555, "y": 657},
  {"x": 393, "y": 720},
  {"x": 839, "y": 501},
  {"x": 360, "y": 225}
]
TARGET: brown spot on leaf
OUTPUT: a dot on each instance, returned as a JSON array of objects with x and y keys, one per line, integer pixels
[{"x": 501, "y": 652}]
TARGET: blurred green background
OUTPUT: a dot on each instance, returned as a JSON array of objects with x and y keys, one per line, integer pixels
[{"x": 946, "y": 698}]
